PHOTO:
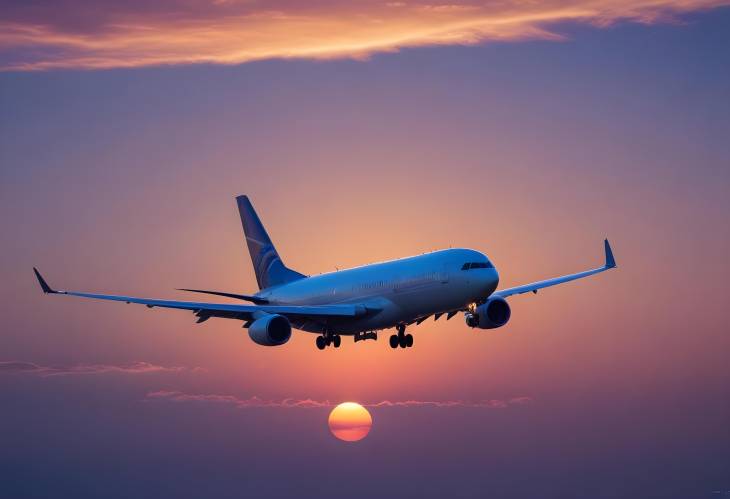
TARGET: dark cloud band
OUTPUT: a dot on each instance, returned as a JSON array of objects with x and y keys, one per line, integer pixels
[{"x": 19, "y": 367}]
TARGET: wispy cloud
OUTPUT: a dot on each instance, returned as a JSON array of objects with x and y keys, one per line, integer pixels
[
  {"x": 19, "y": 367},
  {"x": 236, "y": 401},
  {"x": 94, "y": 34},
  {"x": 488, "y": 404},
  {"x": 256, "y": 402}
]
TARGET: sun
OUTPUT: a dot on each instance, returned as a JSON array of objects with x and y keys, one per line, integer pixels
[{"x": 350, "y": 422}]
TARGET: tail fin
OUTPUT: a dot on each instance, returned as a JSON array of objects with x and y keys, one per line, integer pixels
[{"x": 269, "y": 269}]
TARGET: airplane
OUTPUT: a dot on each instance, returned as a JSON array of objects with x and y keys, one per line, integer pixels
[{"x": 359, "y": 301}]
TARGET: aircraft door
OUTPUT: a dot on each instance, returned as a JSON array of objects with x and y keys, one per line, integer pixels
[{"x": 444, "y": 278}]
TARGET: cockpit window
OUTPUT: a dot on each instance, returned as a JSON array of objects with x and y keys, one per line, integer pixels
[{"x": 477, "y": 265}]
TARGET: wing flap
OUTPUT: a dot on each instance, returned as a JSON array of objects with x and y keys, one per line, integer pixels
[
  {"x": 251, "y": 298},
  {"x": 306, "y": 310}
]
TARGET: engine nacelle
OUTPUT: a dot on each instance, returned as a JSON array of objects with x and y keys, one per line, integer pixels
[
  {"x": 270, "y": 330},
  {"x": 493, "y": 313}
]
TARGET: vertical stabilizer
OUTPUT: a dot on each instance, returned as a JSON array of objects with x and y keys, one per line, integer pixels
[{"x": 270, "y": 270}]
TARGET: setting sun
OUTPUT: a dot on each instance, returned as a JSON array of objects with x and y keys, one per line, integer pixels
[{"x": 350, "y": 422}]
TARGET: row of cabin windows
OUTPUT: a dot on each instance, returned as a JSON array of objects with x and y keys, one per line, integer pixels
[
  {"x": 367, "y": 285},
  {"x": 429, "y": 276},
  {"x": 477, "y": 265}
]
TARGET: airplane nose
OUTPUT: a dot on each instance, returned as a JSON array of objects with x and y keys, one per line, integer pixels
[{"x": 490, "y": 281}]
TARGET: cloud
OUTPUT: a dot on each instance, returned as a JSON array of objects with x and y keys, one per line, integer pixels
[
  {"x": 256, "y": 402},
  {"x": 19, "y": 367},
  {"x": 488, "y": 404},
  {"x": 236, "y": 401},
  {"x": 99, "y": 34}
]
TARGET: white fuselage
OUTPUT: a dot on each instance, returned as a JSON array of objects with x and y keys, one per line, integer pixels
[{"x": 395, "y": 292}]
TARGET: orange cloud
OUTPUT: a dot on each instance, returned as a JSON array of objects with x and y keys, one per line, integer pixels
[{"x": 107, "y": 34}]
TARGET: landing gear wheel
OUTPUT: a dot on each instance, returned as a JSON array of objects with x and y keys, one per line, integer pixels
[
  {"x": 394, "y": 341},
  {"x": 402, "y": 341},
  {"x": 409, "y": 340},
  {"x": 336, "y": 340},
  {"x": 321, "y": 342}
]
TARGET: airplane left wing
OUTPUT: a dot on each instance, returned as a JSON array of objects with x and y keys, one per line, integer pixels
[
  {"x": 610, "y": 263},
  {"x": 229, "y": 311}
]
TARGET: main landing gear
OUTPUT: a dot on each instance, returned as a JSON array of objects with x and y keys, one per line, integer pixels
[
  {"x": 401, "y": 339},
  {"x": 328, "y": 339}
]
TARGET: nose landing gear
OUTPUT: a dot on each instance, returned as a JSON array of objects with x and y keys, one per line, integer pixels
[
  {"x": 401, "y": 339},
  {"x": 328, "y": 339}
]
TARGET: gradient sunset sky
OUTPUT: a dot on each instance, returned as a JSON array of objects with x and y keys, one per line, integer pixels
[{"x": 365, "y": 131}]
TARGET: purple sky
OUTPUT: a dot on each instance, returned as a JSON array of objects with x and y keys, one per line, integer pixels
[{"x": 530, "y": 149}]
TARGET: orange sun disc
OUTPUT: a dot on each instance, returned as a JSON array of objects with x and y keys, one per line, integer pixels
[{"x": 350, "y": 422}]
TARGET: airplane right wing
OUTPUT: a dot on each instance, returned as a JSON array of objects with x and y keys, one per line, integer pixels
[{"x": 610, "y": 263}]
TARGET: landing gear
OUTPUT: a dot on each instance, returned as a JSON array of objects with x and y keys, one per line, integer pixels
[
  {"x": 321, "y": 342},
  {"x": 328, "y": 339},
  {"x": 401, "y": 339}
]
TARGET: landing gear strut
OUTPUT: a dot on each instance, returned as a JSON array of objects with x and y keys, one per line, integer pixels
[
  {"x": 328, "y": 339},
  {"x": 401, "y": 339}
]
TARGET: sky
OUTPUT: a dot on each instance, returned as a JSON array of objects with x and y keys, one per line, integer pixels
[{"x": 529, "y": 131}]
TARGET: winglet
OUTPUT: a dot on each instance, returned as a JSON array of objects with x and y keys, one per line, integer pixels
[
  {"x": 44, "y": 285},
  {"x": 610, "y": 261}
]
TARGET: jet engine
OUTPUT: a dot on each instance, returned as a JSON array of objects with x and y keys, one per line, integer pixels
[
  {"x": 270, "y": 330},
  {"x": 491, "y": 314}
]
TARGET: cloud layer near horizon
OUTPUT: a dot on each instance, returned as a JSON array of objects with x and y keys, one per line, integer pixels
[
  {"x": 256, "y": 402},
  {"x": 20, "y": 367},
  {"x": 87, "y": 34}
]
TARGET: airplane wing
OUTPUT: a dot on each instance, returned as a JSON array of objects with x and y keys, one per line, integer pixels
[
  {"x": 609, "y": 264},
  {"x": 205, "y": 311}
]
